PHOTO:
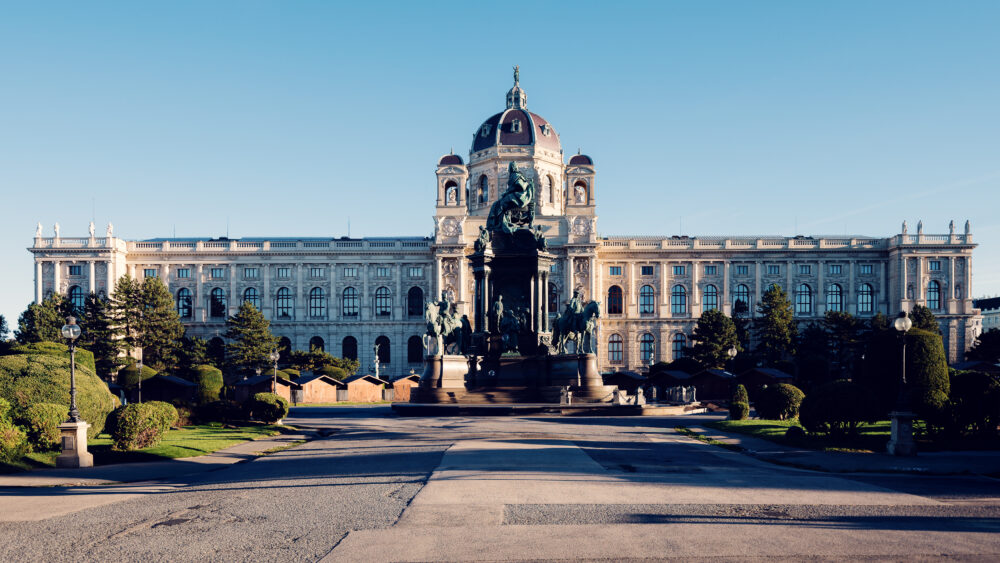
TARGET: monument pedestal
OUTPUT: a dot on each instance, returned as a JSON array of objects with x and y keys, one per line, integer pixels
[
  {"x": 579, "y": 373},
  {"x": 443, "y": 380},
  {"x": 73, "y": 436},
  {"x": 901, "y": 434}
]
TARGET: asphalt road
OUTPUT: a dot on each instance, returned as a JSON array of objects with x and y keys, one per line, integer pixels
[{"x": 382, "y": 488}]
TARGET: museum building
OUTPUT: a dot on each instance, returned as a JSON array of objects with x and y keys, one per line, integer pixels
[{"x": 345, "y": 295}]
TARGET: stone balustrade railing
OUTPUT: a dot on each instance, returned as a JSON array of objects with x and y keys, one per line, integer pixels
[{"x": 775, "y": 243}]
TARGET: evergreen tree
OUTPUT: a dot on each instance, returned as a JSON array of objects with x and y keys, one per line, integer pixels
[
  {"x": 924, "y": 319},
  {"x": 3, "y": 329},
  {"x": 775, "y": 325},
  {"x": 193, "y": 352},
  {"x": 845, "y": 334},
  {"x": 714, "y": 335},
  {"x": 101, "y": 336},
  {"x": 741, "y": 319},
  {"x": 160, "y": 329},
  {"x": 878, "y": 323},
  {"x": 812, "y": 356},
  {"x": 250, "y": 339},
  {"x": 42, "y": 322},
  {"x": 126, "y": 312}
]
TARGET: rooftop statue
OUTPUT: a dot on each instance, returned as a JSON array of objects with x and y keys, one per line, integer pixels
[{"x": 515, "y": 208}]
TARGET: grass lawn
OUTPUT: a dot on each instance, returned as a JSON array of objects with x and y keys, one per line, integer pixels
[
  {"x": 187, "y": 441},
  {"x": 870, "y": 438}
]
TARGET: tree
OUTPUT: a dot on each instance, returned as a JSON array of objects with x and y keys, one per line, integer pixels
[
  {"x": 160, "y": 329},
  {"x": 250, "y": 339},
  {"x": 714, "y": 335},
  {"x": 845, "y": 336},
  {"x": 126, "y": 312},
  {"x": 878, "y": 323},
  {"x": 193, "y": 352},
  {"x": 3, "y": 329},
  {"x": 775, "y": 325},
  {"x": 812, "y": 356},
  {"x": 924, "y": 319},
  {"x": 100, "y": 335},
  {"x": 986, "y": 347},
  {"x": 42, "y": 322}
]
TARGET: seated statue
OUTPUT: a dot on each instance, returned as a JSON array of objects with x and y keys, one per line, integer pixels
[{"x": 515, "y": 208}]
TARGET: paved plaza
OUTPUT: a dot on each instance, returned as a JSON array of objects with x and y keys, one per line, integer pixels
[{"x": 370, "y": 486}]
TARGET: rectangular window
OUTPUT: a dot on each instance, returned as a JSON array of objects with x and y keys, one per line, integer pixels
[
  {"x": 284, "y": 272},
  {"x": 251, "y": 273},
  {"x": 615, "y": 271},
  {"x": 218, "y": 273},
  {"x": 76, "y": 270},
  {"x": 382, "y": 272},
  {"x": 805, "y": 269},
  {"x": 416, "y": 271},
  {"x": 934, "y": 265},
  {"x": 149, "y": 273},
  {"x": 647, "y": 270},
  {"x": 711, "y": 270},
  {"x": 866, "y": 268},
  {"x": 316, "y": 272},
  {"x": 350, "y": 272},
  {"x": 834, "y": 268},
  {"x": 742, "y": 270},
  {"x": 678, "y": 270},
  {"x": 183, "y": 273},
  {"x": 773, "y": 270}
]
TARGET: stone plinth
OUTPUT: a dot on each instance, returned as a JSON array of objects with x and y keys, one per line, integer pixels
[
  {"x": 901, "y": 438},
  {"x": 443, "y": 380},
  {"x": 73, "y": 436}
]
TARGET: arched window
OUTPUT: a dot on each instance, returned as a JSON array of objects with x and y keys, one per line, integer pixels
[
  {"x": 484, "y": 189},
  {"x": 834, "y": 298},
  {"x": 866, "y": 299},
  {"x": 283, "y": 304},
  {"x": 646, "y": 347},
  {"x": 77, "y": 299},
  {"x": 317, "y": 303},
  {"x": 349, "y": 303},
  {"x": 451, "y": 193},
  {"x": 217, "y": 303},
  {"x": 184, "y": 309},
  {"x": 384, "y": 353},
  {"x": 252, "y": 296},
  {"x": 615, "y": 300},
  {"x": 284, "y": 349},
  {"x": 647, "y": 300},
  {"x": 316, "y": 344},
  {"x": 741, "y": 299},
  {"x": 553, "y": 298},
  {"x": 615, "y": 349},
  {"x": 678, "y": 300},
  {"x": 415, "y": 302},
  {"x": 933, "y": 295},
  {"x": 349, "y": 348},
  {"x": 383, "y": 302},
  {"x": 677, "y": 345},
  {"x": 580, "y": 192},
  {"x": 711, "y": 298},
  {"x": 803, "y": 300},
  {"x": 414, "y": 350}
]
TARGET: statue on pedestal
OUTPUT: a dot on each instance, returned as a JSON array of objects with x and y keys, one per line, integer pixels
[
  {"x": 515, "y": 208},
  {"x": 444, "y": 326},
  {"x": 578, "y": 322}
]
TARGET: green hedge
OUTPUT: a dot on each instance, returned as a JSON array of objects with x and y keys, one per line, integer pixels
[
  {"x": 83, "y": 357},
  {"x": 166, "y": 414},
  {"x": 779, "y": 402},
  {"x": 128, "y": 376},
  {"x": 290, "y": 373},
  {"x": 137, "y": 426},
  {"x": 39, "y": 373},
  {"x": 926, "y": 371},
  {"x": 209, "y": 380},
  {"x": 267, "y": 407},
  {"x": 41, "y": 421},
  {"x": 332, "y": 371}
]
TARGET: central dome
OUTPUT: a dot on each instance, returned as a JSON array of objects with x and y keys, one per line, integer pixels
[{"x": 516, "y": 125}]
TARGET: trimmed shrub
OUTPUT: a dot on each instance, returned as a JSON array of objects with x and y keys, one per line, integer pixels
[
  {"x": 267, "y": 407},
  {"x": 137, "y": 426},
  {"x": 795, "y": 433},
  {"x": 779, "y": 402},
  {"x": 739, "y": 411},
  {"x": 13, "y": 443},
  {"x": 209, "y": 380},
  {"x": 333, "y": 371},
  {"x": 926, "y": 371},
  {"x": 740, "y": 394},
  {"x": 39, "y": 373},
  {"x": 219, "y": 411},
  {"x": 975, "y": 402},
  {"x": 128, "y": 376},
  {"x": 166, "y": 414},
  {"x": 83, "y": 357},
  {"x": 41, "y": 421},
  {"x": 184, "y": 416},
  {"x": 835, "y": 408}
]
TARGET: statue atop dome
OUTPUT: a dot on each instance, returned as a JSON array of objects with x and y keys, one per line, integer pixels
[
  {"x": 515, "y": 208},
  {"x": 517, "y": 74}
]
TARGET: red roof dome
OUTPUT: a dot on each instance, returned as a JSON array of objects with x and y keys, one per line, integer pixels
[
  {"x": 450, "y": 159},
  {"x": 581, "y": 159},
  {"x": 516, "y": 127}
]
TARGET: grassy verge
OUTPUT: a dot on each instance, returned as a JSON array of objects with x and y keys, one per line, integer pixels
[
  {"x": 870, "y": 437},
  {"x": 702, "y": 438},
  {"x": 187, "y": 441}
]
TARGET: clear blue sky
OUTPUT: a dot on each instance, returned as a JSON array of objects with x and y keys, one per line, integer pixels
[{"x": 288, "y": 118}]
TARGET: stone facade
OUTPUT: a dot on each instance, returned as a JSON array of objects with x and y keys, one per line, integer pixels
[{"x": 335, "y": 291}]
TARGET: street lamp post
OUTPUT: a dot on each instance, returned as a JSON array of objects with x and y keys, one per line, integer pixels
[
  {"x": 74, "y": 431},
  {"x": 901, "y": 441},
  {"x": 274, "y": 378},
  {"x": 139, "y": 366}
]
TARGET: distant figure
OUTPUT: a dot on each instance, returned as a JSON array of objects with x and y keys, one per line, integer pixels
[
  {"x": 91, "y": 229},
  {"x": 55, "y": 229},
  {"x": 951, "y": 227},
  {"x": 111, "y": 229},
  {"x": 38, "y": 231},
  {"x": 904, "y": 227}
]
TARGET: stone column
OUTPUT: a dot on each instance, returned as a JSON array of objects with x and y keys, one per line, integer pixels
[
  {"x": 265, "y": 300},
  {"x": 664, "y": 290},
  {"x": 199, "y": 293},
  {"x": 727, "y": 301},
  {"x": 883, "y": 291},
  {"x": 821, "y": 290},
  {"x": 232, "y": 303},
  {"x": 569, "y": 277},
  {"x": 695, "y": 307},
  {"x": 165, "y": 275},
  {"x": 757, "y": 273},
  {"x": 632, "y": 303},
  {"x": 438, "y": 285},
  {"x": 111, "y": 281},
  {"x": 596, "y": 283},
  {"x": 460, "y": 295},
  {"x": 951, "y": 285},
  {"x": 918, "y": 290},
  {"x": 55, "y": 276},
  {"x": 90, "y": 276},
  {"x": 297, "y": 310}
]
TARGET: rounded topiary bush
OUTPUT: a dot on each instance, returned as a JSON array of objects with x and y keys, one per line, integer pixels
[
  {"x": 40, "y": 373},
  {"x": 739, "y": 411},
  {"x": 267, "y": 407},
  {"x": 128, "y": 376},
  {"x": 209, "y": 380},
  {"x": 137, "y": 426},
  {"x": 795, "y": 433},
  {"x": 41, "y": 421},
  {"x": 836, "y": 408},
  {"x": 926, "y": 370},
  {"x": 332, "y": 371},
  {"x": 779, "y": 402},
  {"x": 166, "y": 414}
]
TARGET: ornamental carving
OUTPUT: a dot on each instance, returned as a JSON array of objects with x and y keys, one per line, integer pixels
[
  {"x": 581, "y": 226},
  {"x": 451, "y": 227}
]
